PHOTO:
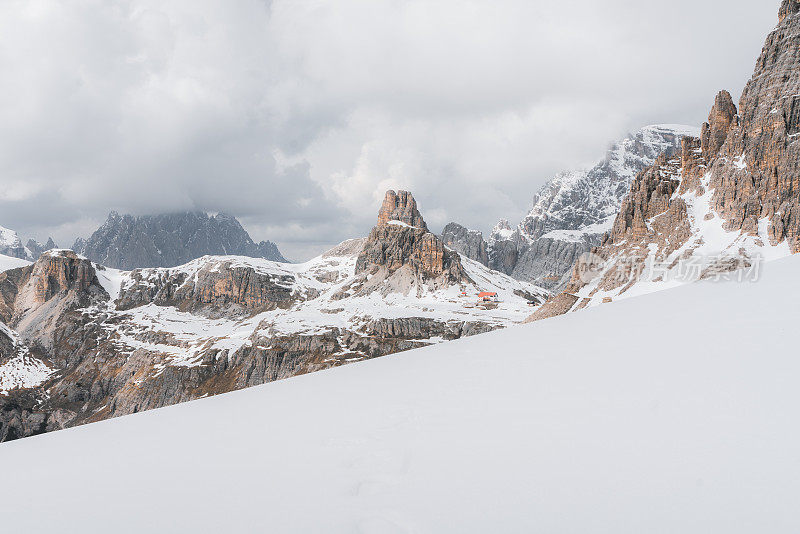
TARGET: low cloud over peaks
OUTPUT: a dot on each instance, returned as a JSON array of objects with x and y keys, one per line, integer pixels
[{"x": 297, "y": 116}]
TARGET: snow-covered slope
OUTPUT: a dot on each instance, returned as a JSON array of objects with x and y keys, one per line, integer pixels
[
  {"x": 627, "y": 427},
  {"x": 18, "y": 368},
  {"x": 90, "y": 342},
  {"x": 9, "y": 262}
]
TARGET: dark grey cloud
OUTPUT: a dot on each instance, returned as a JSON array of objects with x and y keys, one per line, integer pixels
[{"x": 296, "y": 115}]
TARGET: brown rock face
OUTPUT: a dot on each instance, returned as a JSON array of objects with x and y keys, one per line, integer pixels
[
  {"x": 757, "y": 172},
  {"x": 400, "y": 206},
  {"x": 40, "y": 301},
  {"x": 720, "y": 121},
  {"x": 789, "y": 8},
  {"x": 216, "y": 288},
  {"x": 60, "y": 272},
  {"x": 394, "y": 246},
  {"x": 750, "y": 161}
]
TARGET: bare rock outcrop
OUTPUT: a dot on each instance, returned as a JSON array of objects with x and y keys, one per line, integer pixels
[
  {"x": 789, "y": 8},
  {"x": 468, "y": 243},
  {"x": 572, "y": 212},
  {"x": 720, "y": 121},
  {"x": 214, "y": 287},
  {"x": 743, "y": 171},
  {"x": 402, "y": 207},
  {"x": 401, "y": 241},
  {"x": 35, "y": 299}
]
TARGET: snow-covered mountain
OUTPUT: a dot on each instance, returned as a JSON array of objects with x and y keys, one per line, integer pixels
[
  {"x": 11, "y": 245},
  {"x": 727, "y": 201},
  {"x": 38, "y": 248},
  {"x": 85, "y": 342},
  {"x": 128, "y": 242},
  {"x": 578, "y": 200},
  {"x": 512, "y": 431},
  {"x": 572, "y": 212}
]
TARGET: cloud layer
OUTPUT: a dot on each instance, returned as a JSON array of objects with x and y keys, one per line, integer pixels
[{"x": 296, "y": 115}]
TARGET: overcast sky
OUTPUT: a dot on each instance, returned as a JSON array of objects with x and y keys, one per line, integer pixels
[{"x": 297, "y": 115}]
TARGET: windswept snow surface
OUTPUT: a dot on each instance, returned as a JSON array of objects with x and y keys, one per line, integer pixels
[
  {"x": 672, "y": 413},
  {"x": 8, "y": 262}
]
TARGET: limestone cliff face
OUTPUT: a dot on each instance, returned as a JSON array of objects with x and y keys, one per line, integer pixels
[
  {"x": 729, "y": 198},
  {"x": 221, "y": 287},
  {"x": 60, "y": 271},
  {"x": 58, "y": 275},
  {"x": 572, "y": 212},
  {"x": 756, "y": 173},
  {"x": 469, "y": 243},
  {"x": 401, "y": 241},
  {"x": 402, "y": 207},
  {"x": 34, "y": 300}
]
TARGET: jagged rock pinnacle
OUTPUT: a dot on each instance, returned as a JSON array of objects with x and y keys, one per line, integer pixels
[
  {"x": 400, "y": 206},
  {"x": 720, "y": 120}
]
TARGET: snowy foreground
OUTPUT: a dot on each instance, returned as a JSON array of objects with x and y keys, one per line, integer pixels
[{"x": 674, "y": 412}]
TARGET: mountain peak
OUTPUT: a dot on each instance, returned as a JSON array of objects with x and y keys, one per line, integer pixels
[
  {"x": 715, "y": 131},
  {"x": 37, "y": 248},
  {"x": 402, "y": 242},
  {"x": 168, "y": 240},
  {"x": 11, "y": 245},
  {"x": 402, "y": 207}
]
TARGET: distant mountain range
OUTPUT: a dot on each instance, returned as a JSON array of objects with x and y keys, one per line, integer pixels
[
  {"x": 728, "y": 201},
  {"x": 81, "y": 341},
  {"x": 128, "y": 242},
  {"x": 570, "y": 213},
  {"x": 11, "y": 245},
  {"x": 104, "y": 342}
]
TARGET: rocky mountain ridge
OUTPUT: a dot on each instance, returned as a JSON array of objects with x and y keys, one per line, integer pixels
[
  {"x": 469, "y": 243},
  {"x": 728, "y": 202},
  {"x": 570, "y": 213},
  {"x": 128, "y": 242},
  {"x": 11, "y": 246},
  {"x": 82, "y": 342},
  {"x": 37, "y": 249}
]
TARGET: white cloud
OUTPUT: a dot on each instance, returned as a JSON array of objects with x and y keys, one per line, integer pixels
[{"x": 296, "y": 115}]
